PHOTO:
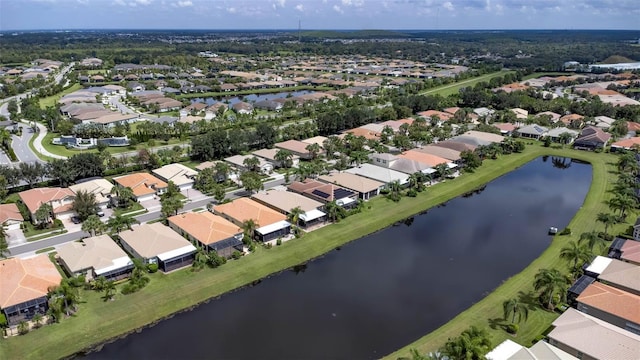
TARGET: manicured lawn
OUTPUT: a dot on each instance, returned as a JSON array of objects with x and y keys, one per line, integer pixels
[
  {"x": 135, "y": 206},
  {"x": 449, "y": 89},
  {"x": 98, "y": 321},
  {"x": 51, "y": 100},
  {"x": 550, "y": 73},
  {"x": 490, "y": 307},
  {"x": 31, "y": 230}
]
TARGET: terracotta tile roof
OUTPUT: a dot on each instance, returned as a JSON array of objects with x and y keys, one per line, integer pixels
[
  {"x": 631, "y": 251},
  {"x": 352, "y": 181},
  {"x": 627, "y": 143},
  {"x": 504, "y": 126},
  {"x": 633, "y": 126},
  {"x": 452, "y": 110},
  {"x": 26, "y": 279},
  {"x": 10, "y": 212},
  {"x": 243, "y": 209},
  {"x": 424, "y": 158},
  {"x": 366, "y": 133},
  {"x": 34, "y": 198},
  {"x": 568, "y": 119},
  {"x": 309, "y": 187},
  {"x": 206, "y": 227},
  {"x": 611, "y": 300},
  {"x": 141, "y": 183},
  {"x": 294, "y": 146},
  {"x": 439, "y": 114}
]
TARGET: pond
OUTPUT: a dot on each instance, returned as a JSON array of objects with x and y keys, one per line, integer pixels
[
  {"x": 383, "y": 291},
  {"x": 250, "y": 98}
]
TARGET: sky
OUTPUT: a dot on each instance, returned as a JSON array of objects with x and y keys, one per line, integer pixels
[{"x": 319, "y": 14}]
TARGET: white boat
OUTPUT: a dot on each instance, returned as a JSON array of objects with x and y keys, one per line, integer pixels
[{"x": 553, "y": 230}]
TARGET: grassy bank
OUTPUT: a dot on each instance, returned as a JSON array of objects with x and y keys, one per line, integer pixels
[
  {"x": 482, "y": 313},
  {"x": 98, "y": 321},
  {"x": 450, "y": 89},
  {"x": 53, "y": 99}
]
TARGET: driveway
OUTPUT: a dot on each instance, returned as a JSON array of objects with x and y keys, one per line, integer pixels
[
  {"x": 152, "y": 205},
  {"x": 15, "y": 237},
  {"x": 193, "y": 195},
  {"x": 70, "y": 226}
]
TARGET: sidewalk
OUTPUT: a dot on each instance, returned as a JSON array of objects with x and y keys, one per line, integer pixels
[{"x": 37, "y": 142}]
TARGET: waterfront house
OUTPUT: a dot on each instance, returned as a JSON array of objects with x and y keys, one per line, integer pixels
[
  {"x": 445, "y": 153},
  {"x": 271, "y": 224},
  {"x": 158, "y": 244},
  {"x": 402, "y": 165},
  {"x": 10, "y": 216},
  {"x": 626, "y": 144},
  {"x": 591, "y": 138},
  {"x": 210, "y": 231},
  {"x": 100, "y": 188},
  {"x": 144, "y": 185},
  {"x": 619, "y": 274},
  {"x": 366, "y": 188},
  {"x": 60, "y": 199},
  {"x": 182, "y": 176},
  {"x": 24, "y": 286},
  {"x": 324, "y": 192},
  {"x": 427, "y": 159},
  {"x": 587, "y": 337},
  {"x": 532, "y": 131},
  {"x": 615, "y": 306},
  {"x": 95, "y": 257},
  {"x": 625, "y": 250},
  {"x": 542, "y": 350},
  {"x": 380, "y": 174},
  {"x": 285, "y": 201},
  {"x": 555, "y": 134}
]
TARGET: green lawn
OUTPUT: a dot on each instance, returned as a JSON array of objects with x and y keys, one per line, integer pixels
[
  {"x": 450, "y": 89},
  {"x": 51, "y": 100},
  {"x": 255, "y": 91},
  {"x": 549, "y": 73},
  {"x": 491, "y": 306},
  {"x": 134, "y": 207},
  {"x": 98, "y": 321}
]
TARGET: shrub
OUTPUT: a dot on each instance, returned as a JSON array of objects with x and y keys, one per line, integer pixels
[
  {"x": 252, "y": 247},
  {"x": 279, "y": 242},
  {"x": 57, "y": 223},
  {"x": 267, "y": 245},
  {"x": 3, "y": 321},
  {"x": 152, "y": 268},
  {"x": 412, "y": 193},
  {"x": 151, "y": 142},
  {"x": 236, "y": 255},
  {"x": 566, "y": 231},
  {"x": 513, "y": 328}
]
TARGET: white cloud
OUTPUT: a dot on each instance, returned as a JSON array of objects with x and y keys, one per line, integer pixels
[
  {"x": 354, "y": 3},
  {"x": 183, "y": 3},
  {"x": 232, "y": 10},
  {"x": 281, "y": 3},
  {"x": 144, "y": 2},
  {"x": 337, "y": 8},
  {"x": 300, "y": 7},
  {"x": 120, "y": 2},
  {"x": 448, "y": 5}
]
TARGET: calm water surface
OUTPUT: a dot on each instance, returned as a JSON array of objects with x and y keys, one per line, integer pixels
[
  {"x": 251, "y": 97},
  {"x": 381, "y": 292}
]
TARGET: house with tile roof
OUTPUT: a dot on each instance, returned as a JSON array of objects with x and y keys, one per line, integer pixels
[
  {"x": 297, "y": 147},
  {"x": 427, "y": 159},
  {"x": 615, "y": 306},
  {"x": 284, "y": 201},
  {"x": 24, "y": 287},
  {"x": 626, "y": 250},
  {"x": 210, "y": 231},
  {"x": 95, "y": 257},
  {"x": 626, "y": 144},
  {"x": 271, "y": 224},
  {"x": 158, "y": 244},
  {"x": 10, "y": 216},
  {"x": 533, "y": 131},
  {"x": 365, "y": 187},
  {"x": 184, "y": 177},
  {"x": 591, "y": 138},
  {"x": 542, "y": 350},
  {"x": 324, "y": 192},
  {"x": 588, "y": 337},
  {"x": 60, "y": 199},
  {"x": 100, "y": 188},
  {"x": 144, "y": 185},
  {"x": 619, "y": 274}
]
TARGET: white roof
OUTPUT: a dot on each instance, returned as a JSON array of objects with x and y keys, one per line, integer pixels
[
  {"x": 152, "y": 240},
  {"x": 542, "y": 351},
  {"x": 312, "y": 215},
  {"x": 117, "y": 264},
  {"x": 99, "y": 187},
  {"x": 99, "y": 252},
  {"x": 504, "y": 351},
  {"x": 598, "y": 264},
  {"x": 178, "y": 173},
  {"x": 344, "y": 201},
  {"x": 273, "y": 227},
  {"x": 556, "y": 132},
  {"x": 379, "y": 173},
  {"x": 187, "y": 249}
]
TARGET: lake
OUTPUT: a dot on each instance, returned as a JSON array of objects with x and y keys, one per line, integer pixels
[
  {"x": 250, "y": 98},
  {"x": 383, "y": 291}
]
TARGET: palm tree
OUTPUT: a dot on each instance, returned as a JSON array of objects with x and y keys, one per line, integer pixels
[
  {"x": 592, "y": 239},
  {"x": 44, "y": 214},
  {"x": 118, "y": 223},
  {"x": 416, "y": 181},
  {"x": 37, "y": 320},
  {"x": 359, "y": 157},
  {"x": 294, "y": 215},
  {"x": 249, "y": 226},
  {"x": 109, "y": 290},
  {"x": 550, "y": 283},
  {"x": 623, "y": 203},
  {"x": 170, "y": 205},
  {"x": 607, "y": 220},
  {"x": 124, "y": 195},
  {"x": 394, "y": 191},
  {"x": 565, "y": 138},
  {"x": 575, "y": 254},
  {"x": 516, "y": 309},
  {"x": 284, "y": 157},
  {"x": 252, "y": 163},
  {"x": 313, "y": 149},
  {"x": 443, "y": 170},
  {"x": 222, "y": 170},
  {"x": 93, "y": 225},
  {"x": 334, "y": 211},
  {"x": 200, "y": 260},
  {"x": 472, "y": 344}
]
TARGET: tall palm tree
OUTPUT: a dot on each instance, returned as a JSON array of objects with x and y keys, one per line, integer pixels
[
  {"x": 607, "y": 220},
  {"x": 93, "y": 225},
  {"x": 313, "y": 149},
  {"x": 249, "y": 226},
  {"x": 109, "y": 290},
  {"x": 516, "y": 309},
  {"x": 118, "y": 223},
  {"x": 251, "y": 163},
  {"x": 623, "y": 203},
  {"x": 294, "y": 215},
  {"x": 284, "y": 157},
  {"x": 472, "y": 344},
  {"x": 44, "y": 214},
  {"x": 443, "y": 170},
  {"x": 592, "y": 239},
  {"x": 333, "y": 211},
  {"x": 550, "y": 283},
  {"x": 575, "y": 254},
  {"x": 124, "y": 195},
  {"x": 394, "y": 191},
  {"x": 222, "y": 170}
]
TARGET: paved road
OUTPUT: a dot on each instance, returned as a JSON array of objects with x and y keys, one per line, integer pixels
[
  {"x": 20, "y": 145},
  {"x": 29, "y": 248},
  {"x": 37, "y": 143}
]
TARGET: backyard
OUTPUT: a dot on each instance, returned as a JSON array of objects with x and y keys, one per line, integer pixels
[{"x": 98, "y": 321}]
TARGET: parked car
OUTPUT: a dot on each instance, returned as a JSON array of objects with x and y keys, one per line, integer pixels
[
  {"x": 100, "y": 213},
  {"x": 75, "y": 220}
]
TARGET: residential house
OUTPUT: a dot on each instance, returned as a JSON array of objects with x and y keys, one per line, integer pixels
[
  {"x": 506, "y": 129},
  {"x": 591, "y": 138},
  {"x": 324, "y": 192},
  {"x": 589, "y": 338},
  {"x": 533, "y": 131},
  {"x": 271, "y": 224},
  {"x": 242, "y": 107},
  {"x": 381, "y": 174},
  {"x": 555, "y": 134},
  {"x": 484, "y": 112},
  {"x": 484, "y": 136},
  {"x": 615, "y": 306},
  {"x": 237, "y": 161},
  {"x": 402, "y": 165},
  {"x": 284, "y": 201},
  {"x": 435, "y": 114},
  {"x": 24, "y": 286},
  {"x": 269, "y": 155},
  {"x": 626, "y": 144},
  {"x": 10, "y": 216},
  {"x": 60, "y": 199},
  {"x": 542, "y": 350},
  {"x": 100, "y": 188},
  {"x": 95, "y": 257},
  {"x": 144, "y": 185},
  {"x": 158, "y": 244},
  {"x": 445, "y": 153},
  {"x": 553, "y": 117},
  {"x": 210, "y": 231},
  {"x": 456, "y": 145},
  {"x": 182, "y": 176},
  {"x": 427, "y": 159},
  {"x": 603, "y": 122},
  {"x": 619, "y": 274},
  {"x": 626, "y": 250},
  {"x": 269, "y": 105},
  {"x": 366, "y": 188},
  {"x": 315, "y": 140},
  {"x": 113, "y": 119},
  {"x": 573, "y": 120},
  {"x": 521, "y": 114},
  {"x": 296, "y": 147}
]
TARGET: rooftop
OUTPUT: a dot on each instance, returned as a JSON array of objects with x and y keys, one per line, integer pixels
[
  {"x": 10, "y": 212},
  {"x": 611, "y": 300},
  {"x": 151, "y": 240},
  {"x": 286, "y": 200},
  {"x": 177, "y": 173},
  {"x": 353, "y": 182},
  {"x": 99, "y": 187},
  {"x": 26, "y": 279},
  {"x": 141, "y": 183},
  {"x": 206, "y": 227},
  {"x": 34, "y": 198},
  {"x": 243, "y": 209},
  {"x": 378, "y": 173},
  {"x": 99, "y": 252},
  {"x": 428, "y": 159}
]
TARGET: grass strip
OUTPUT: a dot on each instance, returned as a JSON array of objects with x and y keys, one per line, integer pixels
[{"x": 98, "y": 321}]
